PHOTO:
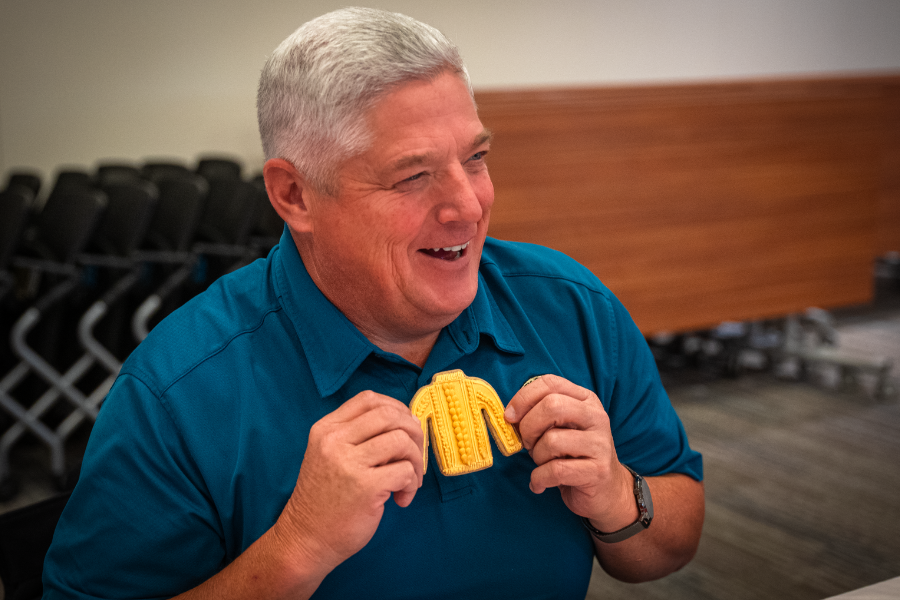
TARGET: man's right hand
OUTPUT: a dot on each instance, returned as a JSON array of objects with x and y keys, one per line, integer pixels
[{"x": 357, "y": 456}]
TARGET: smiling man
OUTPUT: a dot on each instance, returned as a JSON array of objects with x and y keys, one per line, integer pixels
[
  {"x": 397, "y": 248},
  {"x": 260, "y": 444}
]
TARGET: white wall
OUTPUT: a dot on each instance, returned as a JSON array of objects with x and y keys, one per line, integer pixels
[{"x": 87, "y": 80}]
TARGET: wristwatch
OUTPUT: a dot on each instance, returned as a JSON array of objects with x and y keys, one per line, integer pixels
[{"x": 645, "y": 514}]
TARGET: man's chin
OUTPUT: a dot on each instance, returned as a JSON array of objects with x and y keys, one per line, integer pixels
[
  {"x": 449, "y": 289},
  {"x": 446, "y": 305}
]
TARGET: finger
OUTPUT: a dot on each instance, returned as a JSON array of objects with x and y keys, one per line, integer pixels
[
  {"x": 403, "y": 498},
  {"x": 570, "y": 443},
  {"x": 402, "y": 473},
  {"x": 396, "y": 466},
  {"x": 397, "y": 478},
  {"x": 535, "y": 390},
  {"x": 380, "y": 419},
  {"x": 572, "y": 472},
  {"x": 560, "y": 411},
  {"x": 392, "y": 447},
  {"x": 400, "y": 479},
  {"x": 362, "y": 403}
]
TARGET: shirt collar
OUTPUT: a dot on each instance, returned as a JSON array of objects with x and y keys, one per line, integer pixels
[
  {"x": 335, "y": 348},
  {"x": 483, "y": 316}
]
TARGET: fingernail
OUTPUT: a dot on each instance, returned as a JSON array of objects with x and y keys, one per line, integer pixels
[{"x": 510, "y": 413}]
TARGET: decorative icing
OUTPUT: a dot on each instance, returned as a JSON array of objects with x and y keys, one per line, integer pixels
[{"x": 456, "y": 407}]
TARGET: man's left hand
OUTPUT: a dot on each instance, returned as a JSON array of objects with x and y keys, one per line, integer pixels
[{"x": 566, "y": 431}]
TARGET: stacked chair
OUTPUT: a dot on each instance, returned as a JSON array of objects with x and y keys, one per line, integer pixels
[
  {"x": 168, "y": 254},
  {"x": 113, "y": 271},
  {"x": 231, "y": 212},
  {"x": 268, "y": 226},
  {"x": 87, "y": 275},
  {"x": 49, "y": 252},
  {"x": 15, "y": 204},
  {"x": 156, "y": 169},
  {"x": 24, "y": 179}
]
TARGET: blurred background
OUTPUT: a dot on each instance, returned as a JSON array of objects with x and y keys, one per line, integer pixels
[
  {"x": 86, "y": 80},
  {"x": 730, "y": 170}
]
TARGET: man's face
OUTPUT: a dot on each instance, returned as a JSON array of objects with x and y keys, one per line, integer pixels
[{"x": 398, "y": 250}]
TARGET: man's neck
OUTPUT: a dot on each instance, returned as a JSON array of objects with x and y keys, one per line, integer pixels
[{"x": 415, "y": 351}]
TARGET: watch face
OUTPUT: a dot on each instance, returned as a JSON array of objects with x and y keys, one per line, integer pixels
[
  {"x": 644, "y": 500},
  {"x": 645, "y": 514}
]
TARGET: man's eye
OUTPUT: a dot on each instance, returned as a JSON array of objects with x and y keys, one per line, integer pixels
[
  {"x": 478, "y": 155},
  {"x": 414, "y": 177}
]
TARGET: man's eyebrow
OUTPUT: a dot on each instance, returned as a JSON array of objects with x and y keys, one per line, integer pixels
[
  {"x": 482, "y": 138},
  {"x": 417, "y": 159},
  {"x": 411, "y": 161}
]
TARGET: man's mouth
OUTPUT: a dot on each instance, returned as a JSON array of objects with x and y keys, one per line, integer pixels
[{"x": 448, "y": 253}]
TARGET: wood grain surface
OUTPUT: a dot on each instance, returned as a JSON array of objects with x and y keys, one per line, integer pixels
[{"x": 697, "y": 204}]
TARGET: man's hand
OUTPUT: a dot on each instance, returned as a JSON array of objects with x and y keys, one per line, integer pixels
[
  {"x": 566, "y": 431},
  {"x": 357, "y": 456}
]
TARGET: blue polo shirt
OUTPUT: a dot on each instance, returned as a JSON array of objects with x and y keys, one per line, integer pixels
[{"x": 199, "y": 443}]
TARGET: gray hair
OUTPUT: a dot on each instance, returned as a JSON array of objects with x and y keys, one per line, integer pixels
[{"x": 318, "y": 84}]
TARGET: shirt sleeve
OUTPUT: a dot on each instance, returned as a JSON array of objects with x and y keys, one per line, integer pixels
[
  {"x": 140, "y": 523},
  {"x": 648, "y": 433}
]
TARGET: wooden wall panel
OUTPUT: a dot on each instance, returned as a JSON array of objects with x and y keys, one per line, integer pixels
[
  {"x": 889, "y": 206},
  {"x": 698, "y": 204}
]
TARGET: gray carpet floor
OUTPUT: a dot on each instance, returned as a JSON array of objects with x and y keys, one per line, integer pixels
[{"x": 802, "y": 481}]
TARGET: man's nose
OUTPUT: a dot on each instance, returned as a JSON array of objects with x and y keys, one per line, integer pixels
[{"x": 458, "y": 201}]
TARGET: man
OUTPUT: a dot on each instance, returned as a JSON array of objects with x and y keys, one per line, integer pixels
[{"x": 306, "y": 362}]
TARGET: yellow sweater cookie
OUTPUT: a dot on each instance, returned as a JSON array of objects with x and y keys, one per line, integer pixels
[{"x": 454, "y": 404}]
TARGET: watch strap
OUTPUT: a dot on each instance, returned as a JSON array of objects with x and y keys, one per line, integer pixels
[{"x": 645, "y": 514}]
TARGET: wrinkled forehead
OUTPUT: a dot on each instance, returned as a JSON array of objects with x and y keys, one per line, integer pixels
[
  {"x": 439, "y": 107},
  {"x": 393, "y": 94},
  {"x": 384, "y": 103}
]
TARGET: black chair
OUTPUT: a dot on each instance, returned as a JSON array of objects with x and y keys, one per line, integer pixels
[
  {"x": 111, "y": 259},
  {"x": 182, "y": 201},
  {"x": 25, "y": 536},
  {"x": 212, "y": 167},
  {"x": 15, "y": 207},
  {"x": 48, "y": 252},
  {"x": 156, "y": 169},
  {"x": 231, "y": 212},
  {"x": 269, "y": 225},
  {"x": 128, "y": 211},
  {"x": 28, "y": 179},
  {"x": 168, "y": 247},
  {"x": 65, "y": 225},
  {"x": 71, "y": 178},
  {"x": 15, "y": 204},
  {"x": 224, "y": 231},
  {"x": 109, "y": 173},
  {"x": 131, "y": 207}
]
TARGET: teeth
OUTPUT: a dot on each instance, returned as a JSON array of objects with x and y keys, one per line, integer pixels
[{"x": 452, "y": 248}]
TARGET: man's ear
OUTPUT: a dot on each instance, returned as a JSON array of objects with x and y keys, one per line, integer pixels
[{"x": 289, "y": 193}]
